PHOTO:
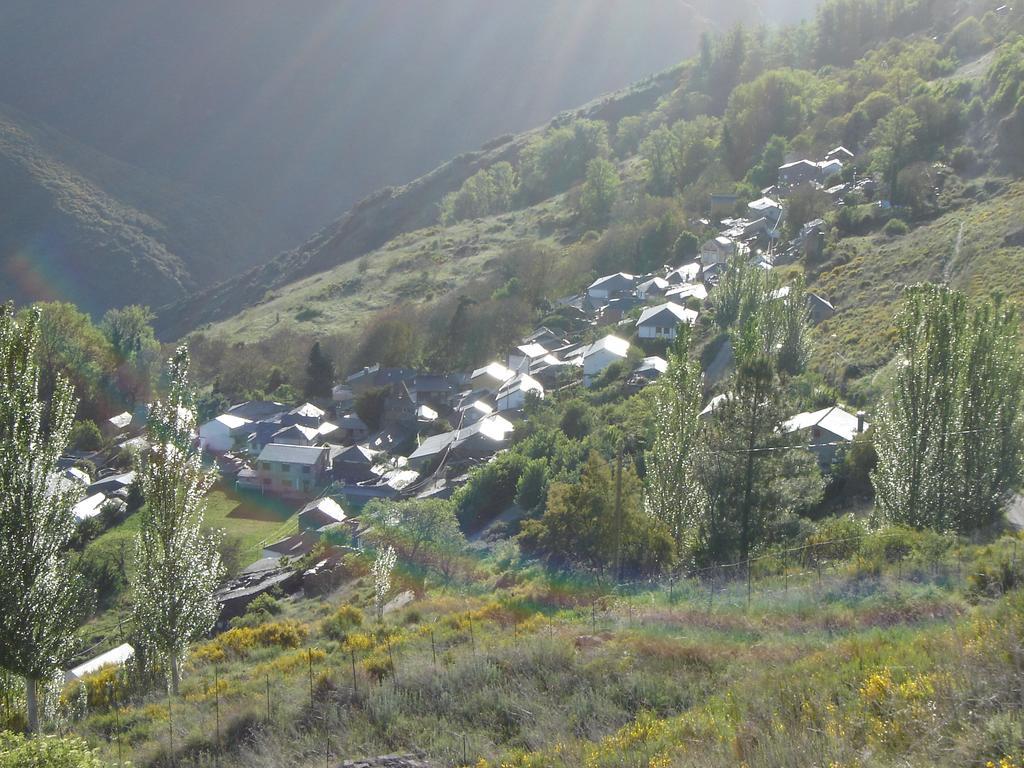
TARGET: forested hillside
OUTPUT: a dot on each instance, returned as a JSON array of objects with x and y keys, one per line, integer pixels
[
  {"x": 923, "y": 93},
  {"x": 293, "y": 113},
  {"x": 79, "y": 226}
]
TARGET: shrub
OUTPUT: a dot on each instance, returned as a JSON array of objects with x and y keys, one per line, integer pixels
[
  {"x": 241, "y": 640},
  {"x": 963, "y": 159},
  {"x": 895, "y": 227},
  {"x": 837, "y": 538},
  {"x": 259, "y": 611},
  {"x": 338, "y": 625},
  {"x": 46, "y": 752},
  {"x": 85, "y": 436}
]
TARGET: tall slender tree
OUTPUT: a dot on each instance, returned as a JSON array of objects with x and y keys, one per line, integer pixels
[
  {"x": 949, "y": 437},
  {"x": 177, "y": 564},
  {"x": 674, "y": 494},
  {"x": 39, "y": 593}
]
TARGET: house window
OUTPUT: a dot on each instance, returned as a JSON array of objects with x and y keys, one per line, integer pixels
[
  {"x": 816, "y": 433},
  {"x": 265, "y": 466},
  {"x": 286, "y": 468},
  {"x": 305, "y": 470}
]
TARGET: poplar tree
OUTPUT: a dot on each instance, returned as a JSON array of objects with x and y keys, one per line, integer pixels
[
  {"x": 40, "y": 595},
  {"x": 177, "y": 564},
  {"x": 674, "y": 494},
  {"x": 949, "y": 436}
]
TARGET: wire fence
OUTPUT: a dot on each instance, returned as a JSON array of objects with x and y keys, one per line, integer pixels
[{"x": 328, "y": 686}]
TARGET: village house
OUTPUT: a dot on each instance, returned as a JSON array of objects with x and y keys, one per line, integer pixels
[
  {"x": 842, "y": 154},
  {"x": 718, "y": 250},
  {"x": 662, "y": 321},
  {"x": 514, "y": 392},
  {"x": 432, "y": 389},
  {"x": 652, "y": 288},
  {"x": 612, "y": 286},
  {"x": 224, "y": 433},
  {"x": 116, "y": 657},
  {"x": 681, "y": 293},
  {"x": 766, "y": 208},
  {"x": 825, "y": 431},
  {"x": 354, "y": 464},
  {"x": 306, "y": 415},
  {"x": 799, "y": 172},
  {"x": 471, "y": 443},
  {"x": 601, "y": 354},
  {"x": 116, "y": 425},
  {"x": 342, "y": 396},
  {"x": 684, "y": 275},
  {"x": 296, "y": 434},
  {"x": 649, "y": 370},
  {"x": 471, "y": 411},
  {"x": 546, "y": 338},
  {"x": 820, "y": 309},
  {"x": 292, "y": 470},
  {"x": 89, "y": 507},
  {"x": 351, "y": 429},
  {"x": 320, "y": 513},
  {"x": 376, "y": 377},
  {"x": 292, "y": 547},
  {"x": 489, "y": 378},
  {"x": 523, "y": 357},
  {"x": 258, "y": 410}
]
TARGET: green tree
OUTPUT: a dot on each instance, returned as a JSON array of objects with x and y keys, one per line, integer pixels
[
  {"x": 559, "y": 159},
  {"x": 319, "y": 373},
  {"x": 40, "y": 595},
  {"x": 600, "y": 521},
  {"x": 177, "y": 567},
  {"x": 130, "y": 332},
  {"x": 894, "y": 140},
  {"x": 599, "y": 193},
  {"x": 85, "y": 436},
  {"x": 674, "y": 494},
  {"x": 949, "y": 435},
  {"x": 419, "y": 529},
  {"x": 765, "y": 172},
  {"x": 660, "y": 150},
  {"x": 70, "y": 346}
]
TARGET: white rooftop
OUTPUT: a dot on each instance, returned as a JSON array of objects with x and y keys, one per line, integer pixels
[
  {"x": 681, "y": 314},
  {"x": 117, "y": 656},
  {"x": 613, "y": 344},
  {"x": 88, "y": 507},
  {"x": 839, "y": 422},
  {"x": 495, "y": 371}
]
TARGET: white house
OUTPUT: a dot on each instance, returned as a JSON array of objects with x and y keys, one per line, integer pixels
[
  {"x": 522, "y": 358},
  {"x": 766, "y": 208},
  {"x": 115, "y": 657},
  {"x": 220, "y": 434},
  {"x": 656, "y": 286},
  {"x": 662, "y": 321},
  {"x": 688, "y": 273},
  {"x": 720, "y": 250},
  {"x": 601, "y": 354},
  {"x": 610, "y": 286},
  {"x": 681, "y": 293},
  {"x": 513, "y": 393},
  {"x": 321, "y": 512},
  {"x": 89, "y": 507},
  {"x": 490, "y": 377},
  {"x": 826, "y": 430}
]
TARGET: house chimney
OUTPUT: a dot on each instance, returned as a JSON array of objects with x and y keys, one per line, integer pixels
[{"x": 860, "y": 422}]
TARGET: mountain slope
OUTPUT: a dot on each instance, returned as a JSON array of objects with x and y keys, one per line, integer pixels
[
  {"x": 295, "y": 111},
  {"x": 78, "y": 226},
  {"x": 382, "y": 217}
]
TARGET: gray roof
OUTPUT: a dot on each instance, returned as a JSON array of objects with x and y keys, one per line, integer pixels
[{"x": 292, "y": 454}]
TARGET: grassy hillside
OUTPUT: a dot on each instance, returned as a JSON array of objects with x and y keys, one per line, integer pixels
[
  {"x": 78, "y": 226},
  {"x": 881, "y": 653},
  {"x": 949, "y": 68},
  {"x": 296, "y": 113}
]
